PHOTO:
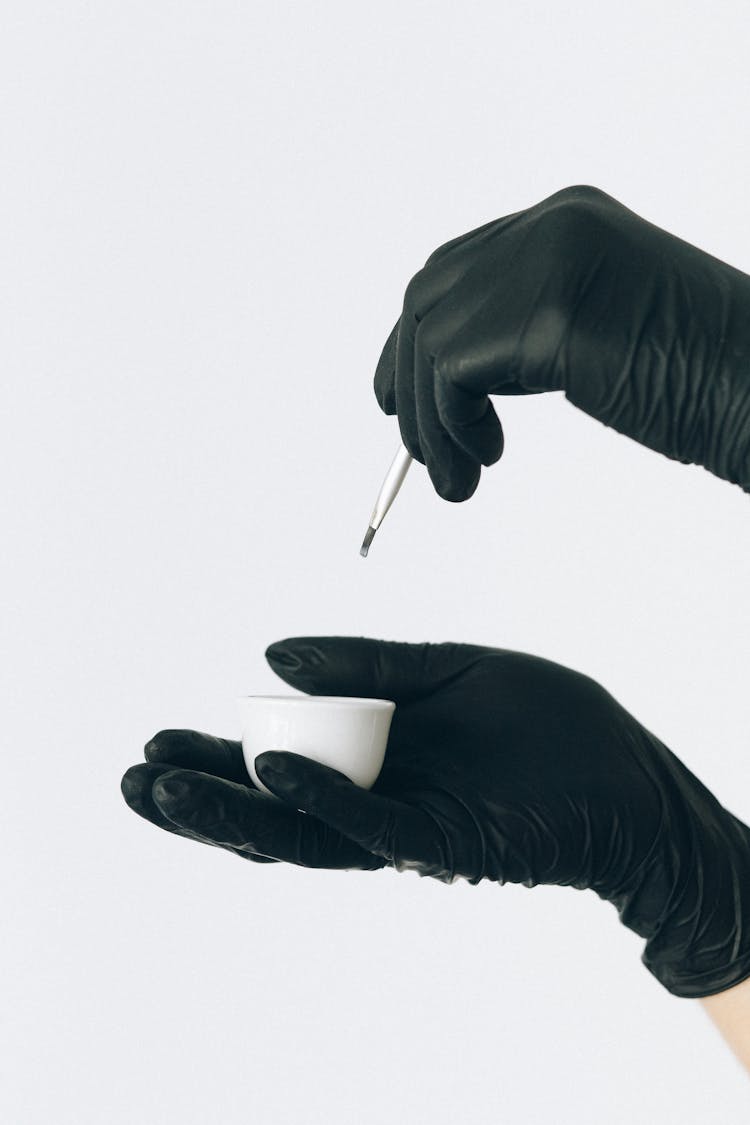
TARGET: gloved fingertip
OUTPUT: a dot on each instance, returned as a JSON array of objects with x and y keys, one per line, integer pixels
[
  {"x": 281, "y": 784},
  {"x": 491, "y": 448},
  {"x": 492, "y": 456},
  {"x": 385, "y": 397},
  {"x": 270, "y": 762},
  {"x": 279, "y": 656},
  {"x": 131, "y": 784},
  {"x": 170, "y": 792},
  {"x": 454, "y": 489},
  {"x": 413, "y": 450}
]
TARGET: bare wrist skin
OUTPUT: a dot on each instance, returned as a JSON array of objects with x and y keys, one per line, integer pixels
[{"x": 730, "y": 1012}]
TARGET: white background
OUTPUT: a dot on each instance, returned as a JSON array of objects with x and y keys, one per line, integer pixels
[{"x": 209, "y": 213}]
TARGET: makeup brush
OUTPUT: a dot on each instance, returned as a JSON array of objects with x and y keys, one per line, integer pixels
[{"x": 394, "y": 478}]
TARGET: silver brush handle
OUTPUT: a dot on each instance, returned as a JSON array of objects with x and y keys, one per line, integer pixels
[{"x": 394, "y": 478}]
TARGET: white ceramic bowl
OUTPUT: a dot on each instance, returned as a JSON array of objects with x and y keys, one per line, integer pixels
[{"x": 348, "y": 734}]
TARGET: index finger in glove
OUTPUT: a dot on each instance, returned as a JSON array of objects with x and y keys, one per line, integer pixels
[
  {"x": 439, "y": 274},
  {"x": 247, "y": 821},
  {"x": 385, "y": 373},
  {"x": 193, "y": 750},
  {"x": 363, "y": 666},
  {"x": 403, "y": 835},
  {"x": 137, "y": 788}
]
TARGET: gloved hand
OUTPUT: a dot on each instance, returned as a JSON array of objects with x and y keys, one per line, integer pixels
[
  {"x": 499, "y": 766},
  {"x": 577, "y": 294}
]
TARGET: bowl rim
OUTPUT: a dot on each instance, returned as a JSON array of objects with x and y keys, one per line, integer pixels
[{"x": 352, "y": 701}]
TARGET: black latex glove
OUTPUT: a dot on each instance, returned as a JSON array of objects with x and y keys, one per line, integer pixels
[
  {"x": 641, "y": 330},
  {"x": 499, "y": 766}
]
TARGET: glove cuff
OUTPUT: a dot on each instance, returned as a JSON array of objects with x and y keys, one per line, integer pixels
[
  {"x": 690, "y": 896},
  {"x": 701, "y": 942}
]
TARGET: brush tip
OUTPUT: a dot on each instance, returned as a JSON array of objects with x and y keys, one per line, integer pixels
[{"x": 369, "y": 536}]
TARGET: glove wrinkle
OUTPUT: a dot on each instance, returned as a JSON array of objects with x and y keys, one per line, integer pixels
[
  {"x": 500, "y": 766},
  {"x": 645, "y": 332}
]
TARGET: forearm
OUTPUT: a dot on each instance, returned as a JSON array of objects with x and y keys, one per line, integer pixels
[{"x": 730, "y": 1011}]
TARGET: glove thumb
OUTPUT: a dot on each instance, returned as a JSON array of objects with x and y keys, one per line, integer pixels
[{"x": 361, "y": 666}]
